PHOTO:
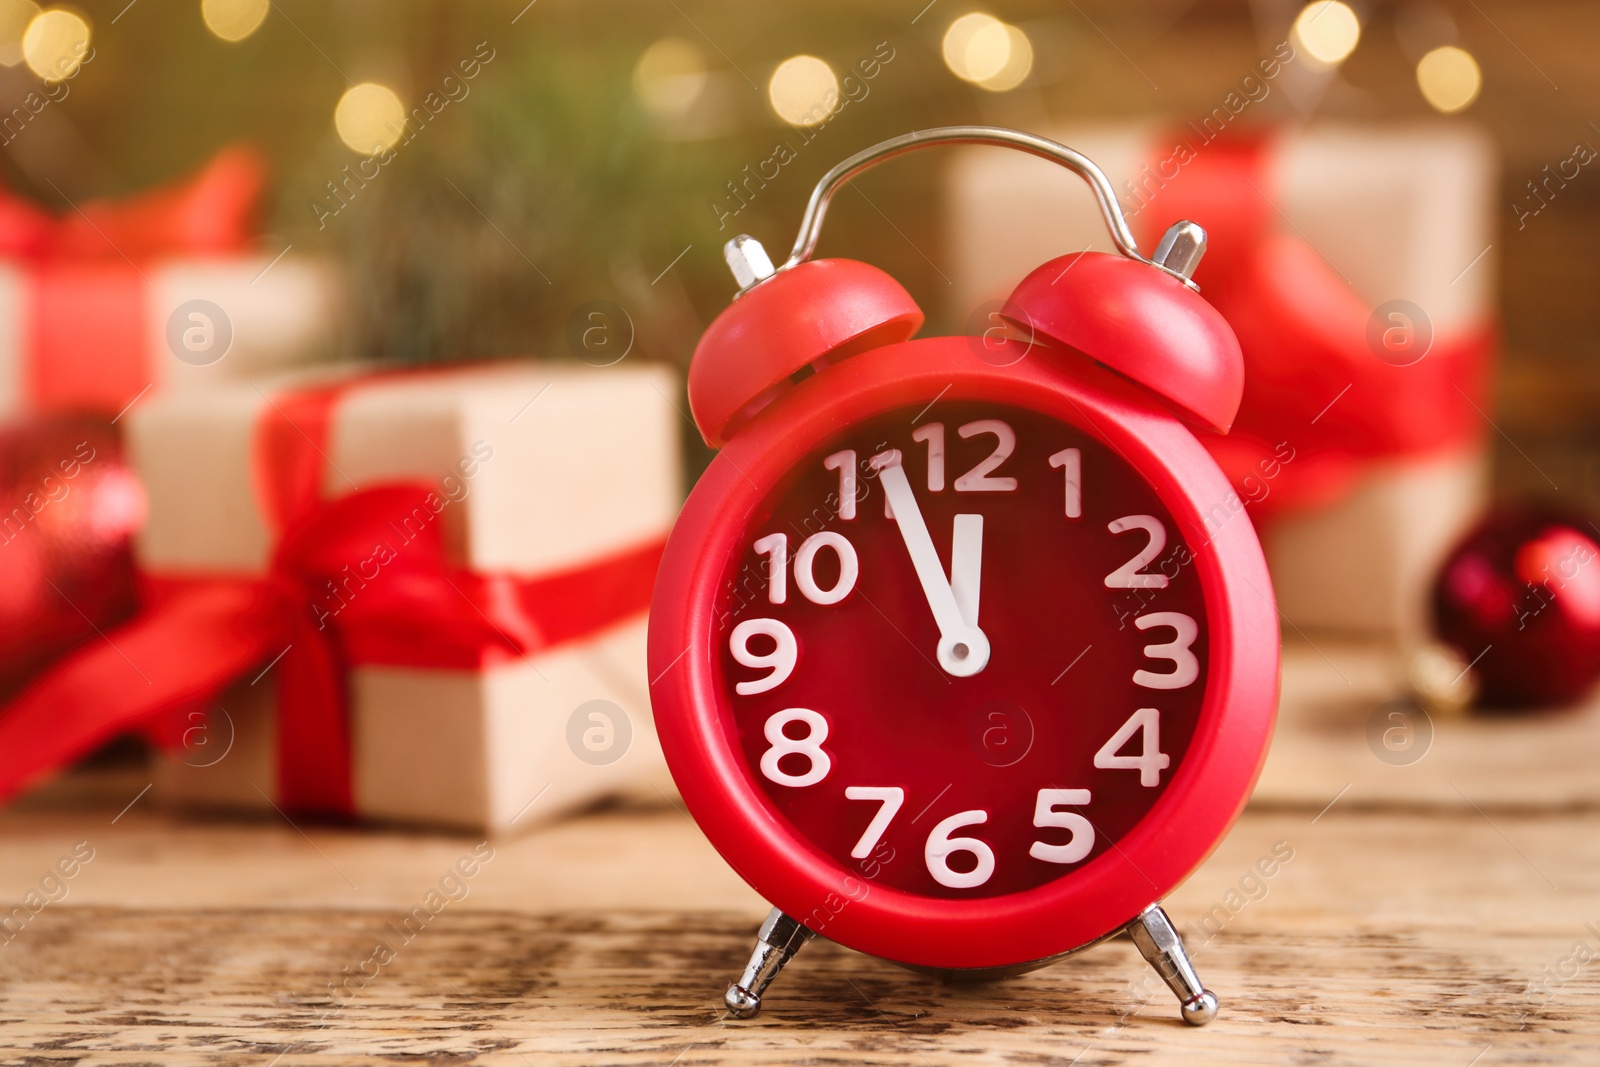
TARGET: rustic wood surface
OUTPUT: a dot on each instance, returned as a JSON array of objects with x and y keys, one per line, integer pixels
[
  {"x": 1413, "y": 925},
  {"x": 1332, "y": 693}
]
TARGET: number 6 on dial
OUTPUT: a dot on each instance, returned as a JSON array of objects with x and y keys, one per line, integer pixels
[{"x": 941, "y": 846}]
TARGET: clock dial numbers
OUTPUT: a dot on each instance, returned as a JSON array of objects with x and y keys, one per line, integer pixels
[
  {"x": 845, "y": 463},
  {"x": 1180, "y": 650},
  {"x": 786, "y": 651},
  {"x": 981, "y": 479},
  {"x": 889, "y": 798},
  {"x": 942, "y": 845},
  {"x": 776, "y": 548},
  {"x": 805, "y": 563},
  {"x": 942, "y": 842},
  {"x": 807, "y": 746},
  {"x": 1070, "y": 460},
  {"x": 1150, "y": 762},
  {"x": 1045, "y": 814},
  {"x": 782, "y": 659},
  {"x": 1130, "y": 575},
  {"x": 933, "y": 434},
  {"x": 878, "y": 739}
]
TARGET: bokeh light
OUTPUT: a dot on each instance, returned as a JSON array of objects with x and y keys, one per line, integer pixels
[
  {"x": 14, "y": 18},
  {"x": 986, "y": 51},
  {"x": 1449, "y": 78},
  {"x": 989, "y": 53},
  {"x": 234, "y": 20},
  {"x": 804, "y": 91},
  {"x": 55, "y": 43},
  {"x": 669, "y": 77},
  {"x": 369, "y": 117},
  {"x": 1327, "y": 31},
  {"x": 1018, "y": 57},
  {"x": 958, "y": 41}
]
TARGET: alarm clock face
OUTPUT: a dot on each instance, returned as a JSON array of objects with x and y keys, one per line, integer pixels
[{"x": 963, "y": 649}]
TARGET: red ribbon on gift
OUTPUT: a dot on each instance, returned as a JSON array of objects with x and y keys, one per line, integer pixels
[
  {"x": 361, "y": 579},
  {"x": 85, "y": 333},
  {"x": 1312, "y": 381}
]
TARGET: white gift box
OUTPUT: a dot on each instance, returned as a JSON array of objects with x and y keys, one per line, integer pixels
[
  {"x": 257, "y": 315},
  {"x": 1401, "y": 212},
  {"x": 584, "y": 466}
]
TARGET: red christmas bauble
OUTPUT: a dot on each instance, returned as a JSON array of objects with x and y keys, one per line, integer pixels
[
  {"x": 1520, "y": 595},
  {"x": 71, "y": 508}
]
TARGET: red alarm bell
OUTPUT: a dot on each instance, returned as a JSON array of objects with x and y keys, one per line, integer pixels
[{"x": 963, "y": 653}]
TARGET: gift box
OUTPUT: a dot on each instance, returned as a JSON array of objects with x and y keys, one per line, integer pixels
[
  {"x": 1356, "y": 266},
  {"x": 404, "y": 596},
  {"x": 166, "y": 290},
  {"x": 487, "y": 751}
]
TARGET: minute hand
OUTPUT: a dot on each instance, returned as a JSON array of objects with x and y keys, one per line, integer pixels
[{"x": 963, "y": 648}]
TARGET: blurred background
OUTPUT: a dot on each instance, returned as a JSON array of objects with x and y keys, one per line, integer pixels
[
  {"x": 1398, "y": 195},
  {"x": 598, "y": 144}
]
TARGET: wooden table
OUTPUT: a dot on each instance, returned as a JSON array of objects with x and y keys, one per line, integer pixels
[{"x": 1440, "y": 912}]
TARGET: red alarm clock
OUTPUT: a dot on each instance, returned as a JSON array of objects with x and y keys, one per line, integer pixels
[{"x": 964, "y": 652}]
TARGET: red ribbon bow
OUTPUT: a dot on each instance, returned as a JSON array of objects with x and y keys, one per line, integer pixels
[
  {"x": 84, "y": 328},
  {"x": 1312, "y": 381},
  {"x": 361, "y": 579},
  {"x": 211, "y": 213}
]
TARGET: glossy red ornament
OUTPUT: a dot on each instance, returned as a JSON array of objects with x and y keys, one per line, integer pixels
[
  {"x": 963, "y": 652},
  {"x": 72, "y": 506},
  {"x": 1520, "y": 598}
]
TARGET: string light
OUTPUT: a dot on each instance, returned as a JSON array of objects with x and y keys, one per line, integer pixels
[
  {"x": 1449, "y": 78},
  {"x": 55, "y": 43},
  {"x": 804, "y": 91},
  {"x": 1327, "y": 31},
  {"x": 369, "y": 117},
  {"x": 14, "y": 18},
  {"x": 234, "y": 20},
  {"x": 669, "y": 77}
]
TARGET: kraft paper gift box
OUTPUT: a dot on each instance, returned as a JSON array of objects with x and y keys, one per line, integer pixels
[
  {"x": 1399, "y": 213},
  {"x": 96, "y": 336},
  {"x": 552, "y": 474}
]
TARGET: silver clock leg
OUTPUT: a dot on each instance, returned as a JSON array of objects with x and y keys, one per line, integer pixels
[
  {"x": 780, "y": 938},
  {"x": 1160, "y": 944}
]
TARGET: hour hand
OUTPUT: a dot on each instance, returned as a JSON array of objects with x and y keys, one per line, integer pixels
[{"x": 963, "y": 648}]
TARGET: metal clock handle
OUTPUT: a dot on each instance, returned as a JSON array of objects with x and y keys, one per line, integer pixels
[{"x": 1178, "y": 253}]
